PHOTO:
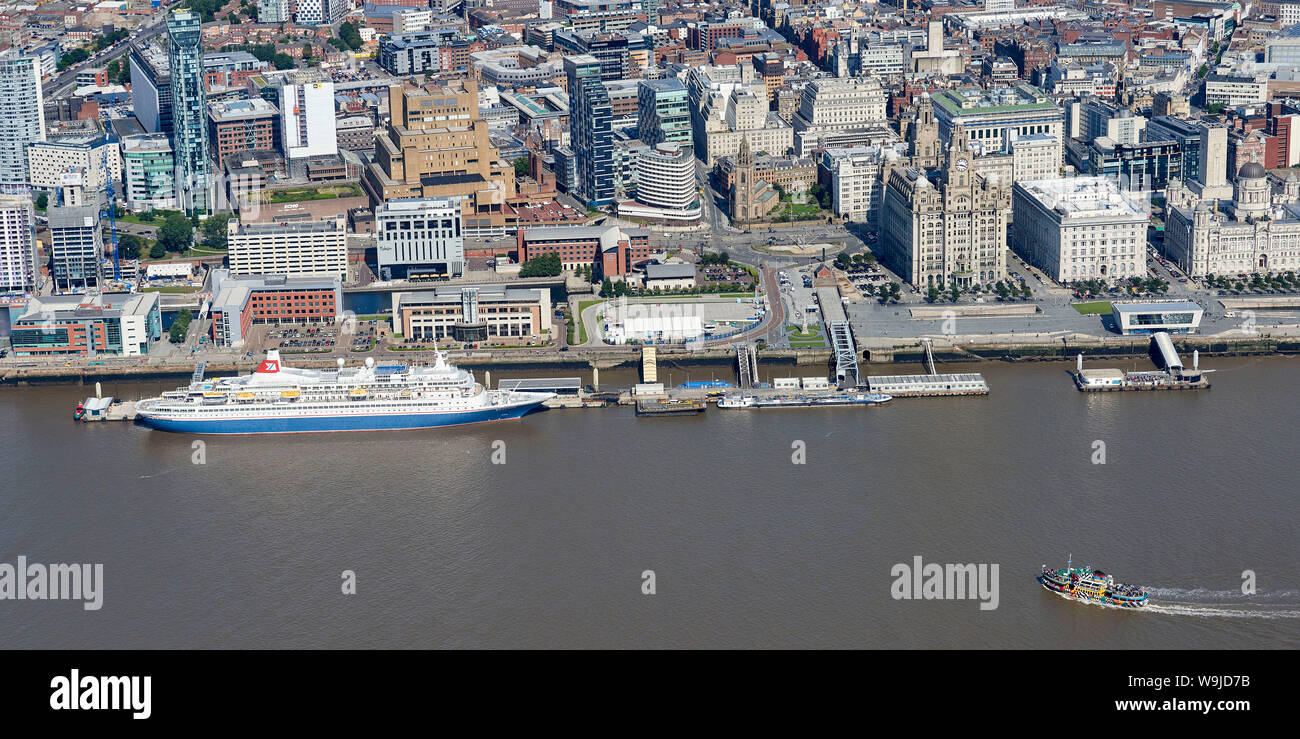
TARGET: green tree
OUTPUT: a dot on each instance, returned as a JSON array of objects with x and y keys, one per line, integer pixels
[
  {"x": 1025, "y": 292},
  {"x": 954, "y": 293},
  {"x": 180, "y": 326},
  {"x": 606, "y": 288},
  {"x": 129, "y": 246},
  {"x": 932, "y": 294},
  {"x": 282, "y": 61},
  {"x": 351, "y": 35},
  {"x": 176, "y": 234},
  {"x": 842, "y": 259},
  {"x": 76, "y": 56},
  {"x": 545, "y": 265},
  {"x": 895, "y": 292},
  {"x": 42, "y": 201},
  {"x": 214, "y": 230},
  {"x": 157, "y": 251},
  {"x": 521, "y": 167},
  {"x": 306, "y": 51}
]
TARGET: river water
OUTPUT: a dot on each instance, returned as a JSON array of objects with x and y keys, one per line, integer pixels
[{"x": 748, "y": 548}]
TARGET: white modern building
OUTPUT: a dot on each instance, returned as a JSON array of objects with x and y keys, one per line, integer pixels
[
  {"x": 95, "y": 157},
  {"x": 321, "y": 12},
  {"x": 293, "y": 249},
  {"x": 307, "y": 117},
  {"x": 22, "y": 118},
  {"x": 17, "y": 244},
  {"x": 666, "y": 186},
  {"x": 1079, "y": 228},
  {"x": 419, "y": 238}
]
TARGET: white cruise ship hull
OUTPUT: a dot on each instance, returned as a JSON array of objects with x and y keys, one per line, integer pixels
[{"x": 292, "y": 421}]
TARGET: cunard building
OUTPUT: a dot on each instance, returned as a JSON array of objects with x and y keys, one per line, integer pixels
[{"x": 942, "y": 222}]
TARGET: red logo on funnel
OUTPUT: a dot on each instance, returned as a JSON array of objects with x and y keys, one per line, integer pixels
[{"x": 269, "y": 366}]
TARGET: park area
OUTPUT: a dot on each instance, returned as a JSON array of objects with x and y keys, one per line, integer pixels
[{"x": 302, "y": 194}]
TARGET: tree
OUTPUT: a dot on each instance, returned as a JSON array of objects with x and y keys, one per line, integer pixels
[
  {"x": 351, "y": 35},
  {"x": 176, "y": 234},
  {"x": 932, "y": 294},
  {"x": 180, "y": 326},
  {"x": 306, "y": 51},
  {"x": 76, "y": 56},
  {"x": 895, "y": 292},
  {"x": 157, "y": 252},
  {"x": 545, "y": 265},
  {"x": 339, "y": 44},
  {"x": 148, "y": 215},
  {"x": 42, "y": 201},
  {"x": 282, "y": 61},
  {"x": 1025, "y": 292},
  {"x": 521, "y": 167},
  {"x": 842, "y": 259},
  {"x": 954, "y": 293},
  {"x": 606, "y": 288},
  {"x": 129, "y": 246},
  {"x": 214, "y": 230}
]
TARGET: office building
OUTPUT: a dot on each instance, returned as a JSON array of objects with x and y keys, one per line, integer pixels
[
  {"x": 120, "y": 324},
  {"x": 242, "y": 302},
  {"x": 292, "y": 249},
  {"x": 419, "y": 238},
  {"x": 951, "y": 229},
  {"x": 991, "y": 117},
  {"x": 273, "y": 11},
  {"x": 76, "y": 245},
  {"x": 473, "y": 313},
  {"x": 1079, "y": 228},
  {"x": 240, "y": 125},
  {"x": 436, "y": 145},
  {"x": 1250, "y": 234},
  {"x": 666, "y": 186},
  {"x": 609, "y": 250},
  {"x": 148, "y": 171},
  {"x": 664, "y": 112},
  {"x": 151, "y": 90}
]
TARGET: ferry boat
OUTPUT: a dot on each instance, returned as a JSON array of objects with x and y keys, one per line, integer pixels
[
  {"x": 277, "y": 399},
  {"x": 817, "y": 401},
  {"x": 737, "y": 401},
  {"x": 1093, "y": 586}
]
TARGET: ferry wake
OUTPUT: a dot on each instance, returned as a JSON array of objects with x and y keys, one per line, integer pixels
[{"x": 276, "y": 400}]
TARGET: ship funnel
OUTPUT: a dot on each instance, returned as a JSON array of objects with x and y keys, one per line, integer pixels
[
  {"x": 1196, "y": 359},
  {"x": 1079, "y": 362},
  {"x": 339, "y": 362},
  {"x": 99, "y": 393}
]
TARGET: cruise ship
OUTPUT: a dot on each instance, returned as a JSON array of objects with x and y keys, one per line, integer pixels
[{"x": 278, "y": 400}]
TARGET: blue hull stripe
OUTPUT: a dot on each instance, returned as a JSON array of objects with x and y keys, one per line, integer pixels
[{"x": 317, "y": 424}]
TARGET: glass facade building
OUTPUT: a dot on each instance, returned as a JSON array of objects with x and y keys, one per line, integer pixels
[
  {"x": 189, "y": 108},
  {"x": 663, "y": 113},
  {"x": 22, "y": 118}
]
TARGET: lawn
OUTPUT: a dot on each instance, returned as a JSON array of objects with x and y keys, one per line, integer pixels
[
  {"x": 1095, "y": 308},
  {"x": 301, "y": 194}
]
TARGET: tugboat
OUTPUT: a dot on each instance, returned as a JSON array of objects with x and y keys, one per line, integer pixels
[{"x": 1092, "y": 586}]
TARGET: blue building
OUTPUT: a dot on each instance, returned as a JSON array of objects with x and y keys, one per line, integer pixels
[{"x": 189, "y": 108}]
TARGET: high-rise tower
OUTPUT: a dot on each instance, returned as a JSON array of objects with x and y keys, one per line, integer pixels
[{"x": 189, "y": 109}]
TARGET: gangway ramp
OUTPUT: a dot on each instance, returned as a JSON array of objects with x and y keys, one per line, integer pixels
[
  {"x": 846, "y": 354},
  {"x": 1165, "y": 354}
]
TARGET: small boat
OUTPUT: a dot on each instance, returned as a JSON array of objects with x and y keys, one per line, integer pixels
[
  {"x": 244, "y": 396},
  {"x": 1092, "y": 586},
  {"x": 357, "y": 392},
  {"x": 737, "y": 401},
  {"x": 79, "y": 412},
  {"x": 290, "y": 393}
]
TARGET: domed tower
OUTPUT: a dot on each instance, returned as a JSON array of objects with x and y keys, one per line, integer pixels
[{"x": 1252, "y": 195}]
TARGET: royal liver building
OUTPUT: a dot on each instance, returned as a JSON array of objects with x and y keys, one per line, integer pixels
[
  {"x": 946, "y": 224},
  {"x": 1254, "y": 233}
]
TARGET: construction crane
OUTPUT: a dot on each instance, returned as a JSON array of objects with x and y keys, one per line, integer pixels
[{"x": 112, "y": 217}]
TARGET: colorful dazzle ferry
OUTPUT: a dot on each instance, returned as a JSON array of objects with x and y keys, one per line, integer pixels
[{"x": 1093, "y": 586}]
